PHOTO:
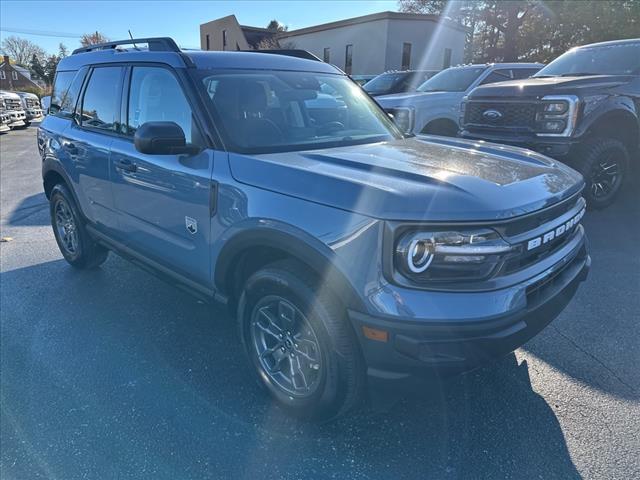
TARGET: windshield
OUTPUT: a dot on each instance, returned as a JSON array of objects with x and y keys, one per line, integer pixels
[
  {"x": 384, "y": 82},
  {"x": 272, "y": 111},
  {"x": 452, "y": 80},
  {"x": 621, "y": 59}
]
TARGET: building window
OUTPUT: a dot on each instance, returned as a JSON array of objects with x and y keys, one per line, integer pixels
[
  {"x": 3, "y": 76},
  {"x": 326, "y": 57},
  {"x": 14, "y": 75},
  {"x": 224, "y": 39},
  {"x": 208, "y": 44},
  {"x": 406, "y": 56},
  {"x": 447, "y": 58},
  {"x": 348, "y": 59}
]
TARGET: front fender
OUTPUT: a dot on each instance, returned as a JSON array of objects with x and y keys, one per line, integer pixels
[
  {"x": 257, "y": 232},
  {"x": 611, "y": 106}
]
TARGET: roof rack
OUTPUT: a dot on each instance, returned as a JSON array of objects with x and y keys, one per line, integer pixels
[
  {"x": 155, "y": 44},
  {"x": 289, "y": 53}
]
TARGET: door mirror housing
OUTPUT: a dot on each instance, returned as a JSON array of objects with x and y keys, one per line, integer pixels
[{"x": 162, "y": 138}]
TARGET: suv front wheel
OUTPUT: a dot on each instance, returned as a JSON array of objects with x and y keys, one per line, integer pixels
[
  {"x": 299, "y": 342},
  {"x": 75, "y": 243},
  {"x": 604, "y": 163}
]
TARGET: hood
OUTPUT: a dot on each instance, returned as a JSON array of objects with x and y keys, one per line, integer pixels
[
  {"x": 537, "y": 87},
  {"x": 27, "y": 95},
  {"x": 418, "y": 98},
  {"x": 421, "y": 178},
  {"x": 5, "y": 94}
]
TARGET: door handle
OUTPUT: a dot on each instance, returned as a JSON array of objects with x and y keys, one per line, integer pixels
[{"x": 126, "y": 165}]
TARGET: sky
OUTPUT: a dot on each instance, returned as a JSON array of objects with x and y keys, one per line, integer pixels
[{"x": 66, "y": 21}]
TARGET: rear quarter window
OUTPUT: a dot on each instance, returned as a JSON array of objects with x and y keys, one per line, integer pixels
[{"x": 66, "y": 89}]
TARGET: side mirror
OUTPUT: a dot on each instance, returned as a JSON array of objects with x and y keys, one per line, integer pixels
[
  {"x": 162, "y": 138},
  {"x": 45, "y": 102}
]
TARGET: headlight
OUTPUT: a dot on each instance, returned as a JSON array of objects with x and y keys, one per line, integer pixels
[
  {"x": 447, "y": 256},
  {"x": 403, "y": 118},
  {"x": 557, "y": 115},
  {"x": 556, "y": 107}
]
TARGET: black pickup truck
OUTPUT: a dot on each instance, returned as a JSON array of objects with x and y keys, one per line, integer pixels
[{"x": 583, "y": 109}]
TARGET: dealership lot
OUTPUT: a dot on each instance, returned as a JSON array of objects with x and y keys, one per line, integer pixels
[{"x": 114, "y": 374}]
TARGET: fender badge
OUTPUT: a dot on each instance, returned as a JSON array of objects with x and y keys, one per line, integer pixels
[{"x": 191, "y": 224}]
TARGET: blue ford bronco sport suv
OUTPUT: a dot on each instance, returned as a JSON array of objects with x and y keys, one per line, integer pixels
[{"x": 352, "y": 256}]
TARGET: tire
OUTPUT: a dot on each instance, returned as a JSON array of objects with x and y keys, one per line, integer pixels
[
  {"x": 285, "y": 298},
  {"x": 604, "y": 163},
  {"x": 27, "y": 124},
  {"x": 75, "y": 243}
]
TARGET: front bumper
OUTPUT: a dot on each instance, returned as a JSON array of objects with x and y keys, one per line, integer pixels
[
  {"x": 17, "y": 118},
  {"x": 555, "y": 147},
  {"x": 34, "y": 114},
  {"x": 422, "y": 348}
]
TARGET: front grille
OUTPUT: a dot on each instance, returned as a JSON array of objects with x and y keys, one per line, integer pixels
[
  {"x": 509, "y": 114},
  {"x": 536, "y": 225},
  {"x": 12, "y": 104},
  {"x": 32, "y": 103}
]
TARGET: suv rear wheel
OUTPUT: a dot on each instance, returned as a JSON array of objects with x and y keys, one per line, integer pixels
[
  {"x": 75, "y": 243},
  {"x": 299, "y": 342},
  {"x": 604, "y": 163}
]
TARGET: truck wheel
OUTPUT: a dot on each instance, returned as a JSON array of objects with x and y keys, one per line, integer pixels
[
  {"x": 300, "y": 343},
  {"x": 75, "y": 243},
  {"x": 604, "y": 163}
]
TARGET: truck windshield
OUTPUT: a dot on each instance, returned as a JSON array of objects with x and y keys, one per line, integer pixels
[
  {"x": 384, "y": 82},
  {"x": 274, "y": 111},
  {"x": 456, "y": 79},
  {"x": 620, "y": 59}
]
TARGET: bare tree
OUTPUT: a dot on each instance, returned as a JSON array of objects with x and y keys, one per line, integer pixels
[
  {"x": 93, "y": 38},
  {"x": 22, "y": 50}
]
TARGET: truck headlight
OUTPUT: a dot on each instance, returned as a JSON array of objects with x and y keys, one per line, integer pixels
[
  {"x": 447, "y": 256},
  {"x": 403, "y": 117},
  {"x": 556, "y": 116}
]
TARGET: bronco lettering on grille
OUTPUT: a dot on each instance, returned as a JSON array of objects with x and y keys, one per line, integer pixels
[{"x": 556, "y": 232}]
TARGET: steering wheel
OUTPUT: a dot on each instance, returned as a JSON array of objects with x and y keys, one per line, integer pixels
[{"x": 330, "y": 127}]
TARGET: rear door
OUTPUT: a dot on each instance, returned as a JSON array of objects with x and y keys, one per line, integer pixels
[
  {"x": 163, "y": 201},
  {"x": 87, "y": 143}
]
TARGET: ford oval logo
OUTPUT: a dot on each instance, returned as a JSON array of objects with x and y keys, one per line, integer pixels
[{"x": 492, "y": 115}]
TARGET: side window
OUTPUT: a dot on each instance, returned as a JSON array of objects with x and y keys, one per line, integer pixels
[
  {"x": 60, "y": 86},
  {"x": 156, "y": 96},
  {"x": 520, "y": 73},
  {"x": 101, "y": 99},
  {"x": 497, "y": 76},
  {"x": 67, "y": 98}
]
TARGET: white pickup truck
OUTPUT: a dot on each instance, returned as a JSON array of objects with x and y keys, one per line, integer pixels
[
  {"x": 434, "y": 108},
  {"x": 12, "y": 104},
  {"x": 31, "y": 106}
]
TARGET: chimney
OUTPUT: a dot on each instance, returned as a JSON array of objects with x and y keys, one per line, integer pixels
[{"x": 5, "y": 59}]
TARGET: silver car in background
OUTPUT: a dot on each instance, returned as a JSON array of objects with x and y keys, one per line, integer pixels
[{"x": 434, "y": 108}]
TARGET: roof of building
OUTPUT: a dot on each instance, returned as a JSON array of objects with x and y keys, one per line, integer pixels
[
  {"x": 255, "y": 35},
  {"x": 371, "y": 18}
]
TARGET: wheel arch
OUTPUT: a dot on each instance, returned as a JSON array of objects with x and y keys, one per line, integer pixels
[
  {"x": 441, "y": 124},
  {"x": 617, "y": 123},
  {"x": 250, "y": 249}
]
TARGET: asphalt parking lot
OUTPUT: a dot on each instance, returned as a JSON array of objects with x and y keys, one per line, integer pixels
[{"x": 113, "y": 374}]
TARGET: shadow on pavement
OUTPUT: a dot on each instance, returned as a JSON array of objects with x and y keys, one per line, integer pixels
[
  {"x": 113, "y": 373},
  {"x": 27, "y": 213}
]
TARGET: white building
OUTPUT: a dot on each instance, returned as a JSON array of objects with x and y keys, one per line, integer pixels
[{"x": 370, "y": 44}]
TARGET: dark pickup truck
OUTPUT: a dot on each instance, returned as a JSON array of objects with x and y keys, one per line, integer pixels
[{"x": 583, "y": 109}]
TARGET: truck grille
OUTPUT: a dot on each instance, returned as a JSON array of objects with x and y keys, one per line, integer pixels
[
  {"x": 11, "y": 104},
  {"x": 511, "y": 115},
  {"x": 32, "y": 103}
]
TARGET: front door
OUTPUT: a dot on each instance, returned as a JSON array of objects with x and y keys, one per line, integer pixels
[{"x": 163, "y": 201}]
